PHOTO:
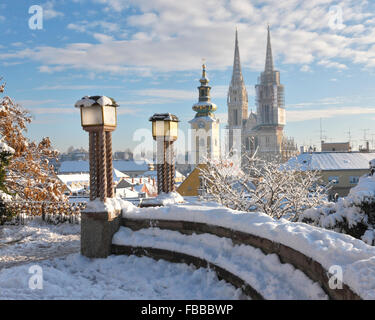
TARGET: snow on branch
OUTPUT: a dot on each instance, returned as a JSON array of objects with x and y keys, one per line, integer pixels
[{"x": 266, "y": 186}]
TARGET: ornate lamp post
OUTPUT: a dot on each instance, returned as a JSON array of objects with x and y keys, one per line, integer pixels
[
  {"x": 99, "y": 118},
  {"x": 165, "y": 131}
]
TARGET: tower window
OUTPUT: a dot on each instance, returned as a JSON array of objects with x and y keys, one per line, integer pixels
[{"x": 208, "y": 144}]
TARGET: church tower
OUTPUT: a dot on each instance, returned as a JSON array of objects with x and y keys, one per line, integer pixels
[
  {"x": 270, "y": 108},
  {"x": 204, "y": 127},
  {"x": 237, "y": 101}
]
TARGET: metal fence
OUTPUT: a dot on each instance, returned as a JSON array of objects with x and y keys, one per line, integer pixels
[{"x": 51, "y": 212}]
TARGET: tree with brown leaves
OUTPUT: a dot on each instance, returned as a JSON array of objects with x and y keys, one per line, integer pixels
[{"x": 29, "y": 174}]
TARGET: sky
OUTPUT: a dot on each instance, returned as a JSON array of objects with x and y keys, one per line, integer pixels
[{"x": 147, "y": 55}]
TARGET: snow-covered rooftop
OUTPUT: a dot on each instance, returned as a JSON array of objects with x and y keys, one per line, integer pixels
[
  {"x": 94, "y": 101},
  {"x": 332, "y": 161},
  {"x": 75, "y": 166}
]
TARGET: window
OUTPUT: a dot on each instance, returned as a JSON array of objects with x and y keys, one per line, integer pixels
[
  {"x": 247, "y": 143},
  {"x": 333, "y": 179},
  {"x": 235, "y": 117},
  {"x": 353, "y": 179}
]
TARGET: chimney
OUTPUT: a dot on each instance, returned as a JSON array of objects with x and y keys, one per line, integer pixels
[
  {"x": 133, "y": 180},
  {"x": 140, "y": 180}
]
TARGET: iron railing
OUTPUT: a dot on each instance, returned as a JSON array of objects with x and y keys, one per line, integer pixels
[{"x": 49, "y": 211}]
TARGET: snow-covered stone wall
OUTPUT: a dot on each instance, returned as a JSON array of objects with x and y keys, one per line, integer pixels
[{"x": 326, "y": 247}]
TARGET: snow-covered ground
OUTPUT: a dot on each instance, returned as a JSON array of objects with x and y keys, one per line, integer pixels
[
  {"x": 117, "y": 277},
  {"x": 37, "y": 241},
  {"x": 68, "y": 275}
]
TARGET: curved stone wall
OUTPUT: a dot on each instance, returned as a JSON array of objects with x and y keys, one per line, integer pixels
[{"x": 307, "y": 265}]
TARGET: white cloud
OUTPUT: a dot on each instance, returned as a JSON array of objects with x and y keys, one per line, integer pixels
[
  {"x": 116, "y": 5},
  {"x": 30, "y": 103},
  {"x": 86, "y": 26},
  {"x": 76, "y": 87},
  {"x": 49, "y": 11},
  {"x": 311, "y": 114},
  {"x": 54, "y": 110},
  {"x": 102, "y": 37},
  {"x": 332, "y": 64},
  {"x": 305, "y": 68},
  {"x": 171, "y": 35}
]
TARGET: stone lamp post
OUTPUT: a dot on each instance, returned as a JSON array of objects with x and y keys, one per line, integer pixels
[
  {"x": 99, "y": 118},
  {"x": 165, "y": 131},
  {"x": 101, "y": 218}
]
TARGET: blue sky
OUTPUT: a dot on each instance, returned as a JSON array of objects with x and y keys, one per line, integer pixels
[{"x": 148, "y": 55}]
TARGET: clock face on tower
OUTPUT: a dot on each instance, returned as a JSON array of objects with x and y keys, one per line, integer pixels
[{"x": 201, "y": 125}]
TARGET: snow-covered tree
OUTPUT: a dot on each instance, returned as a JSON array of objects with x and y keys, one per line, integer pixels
[
  {"x": 268, "y": 186},
  {"x": 29, "y": 174},
  {"x": 5, "y": 154},
  {"x": 353, "y": 214}
]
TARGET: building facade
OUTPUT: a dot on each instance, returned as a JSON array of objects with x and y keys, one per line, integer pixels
[
  {"x": 341, "y": 169},
  {"x": 262, "y": 131},
  {"x": 205, "y": 128}
]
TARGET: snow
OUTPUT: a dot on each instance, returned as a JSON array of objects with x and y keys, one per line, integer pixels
[
  {"x": 117, "y": 277},
  {"x": 126, "y": 193},
  {"x": 5, "y": 148},
  {"x": 36, "y": 241},
  {"x": 104, "y": 101},
  {"x": 69, "y": 178},
  {"x": 264, "y": 273},
  {"x": 77, "y": 166},
  {"x": 364, "y": 189},
  {"x": 346, "y": 210},
  {"x": 88, "y": 102},
  {"x": 111, "y": 205},
  {"x": 324, "y": 246},
  {"x": 68, "y": 275},
  {"x": 169, "y": 198},
  {"x": 85, "y": 102},
  {"x": 5, "y": 197},
  {"x": 332, "y": 161}
]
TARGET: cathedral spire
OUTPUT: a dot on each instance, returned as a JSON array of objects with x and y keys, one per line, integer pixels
[
  {"x": 269, "y": 60},
  {"x": 237, "y": 73}
]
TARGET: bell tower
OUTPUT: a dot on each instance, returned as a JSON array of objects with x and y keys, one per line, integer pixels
[{"x": 205, "y": 141}]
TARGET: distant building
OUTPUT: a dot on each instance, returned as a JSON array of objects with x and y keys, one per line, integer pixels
[
  {"x": 131, "y": 168},
  {"x": 342, "y": 168},
  {"x": 262, "y": 130},
  {"x": 123, "y": 155},
  {"x": 74, "y": 155},
  {"x": 191, "y": 186},
  {"x": 335, "y": 147}
]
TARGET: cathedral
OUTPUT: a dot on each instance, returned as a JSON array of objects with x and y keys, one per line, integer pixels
[{"x": 263, "y": 130}]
